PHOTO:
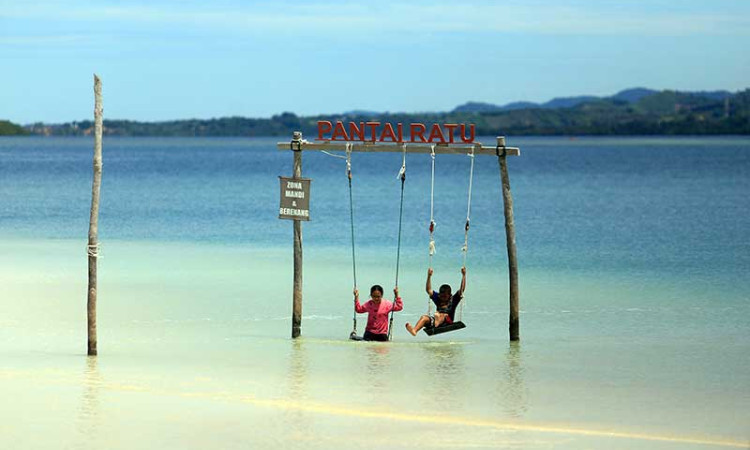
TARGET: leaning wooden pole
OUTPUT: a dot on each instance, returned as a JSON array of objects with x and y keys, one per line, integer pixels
[
  {"x": 510, "y": 238},
  {"x": 93, "y": 247},
  {"x": 297, "y": 293}
]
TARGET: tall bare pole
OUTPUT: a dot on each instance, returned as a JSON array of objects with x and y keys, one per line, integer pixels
[
  {"x": 510, "y": 238},
  {"x": 297, "y": 294},
  {"x": 93, "y": 247}
]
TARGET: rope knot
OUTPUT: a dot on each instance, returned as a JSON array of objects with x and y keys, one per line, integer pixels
[{"x": 93, "y": 250}]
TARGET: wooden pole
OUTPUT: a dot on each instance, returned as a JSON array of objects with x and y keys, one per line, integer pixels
[
  {"x": 510, "y": 238},
  {"x": 93, "y": 247},
  {"x": 297, "y": 293},
  {"x": 411, "y": 147}
]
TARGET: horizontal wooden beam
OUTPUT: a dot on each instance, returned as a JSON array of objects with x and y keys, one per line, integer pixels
[{"x": 411, "y": 147}]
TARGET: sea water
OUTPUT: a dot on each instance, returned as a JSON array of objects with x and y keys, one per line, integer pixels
[{"x": 634, "y": 256}]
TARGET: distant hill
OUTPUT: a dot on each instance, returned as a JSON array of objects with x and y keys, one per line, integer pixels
[
  {"x": 637, "y": 111},
  {"x": 631, "y": 95},
  {"x": 515, "y": 105},
  {"x": 479, "y": 107}
]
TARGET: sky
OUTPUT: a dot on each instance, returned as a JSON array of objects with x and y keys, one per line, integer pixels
[{"x": 168, "y": 60}]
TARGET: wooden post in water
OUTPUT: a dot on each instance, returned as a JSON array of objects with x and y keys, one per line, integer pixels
[
  {"x": 510, "y": 238},
  {"x": 93, "y": 246},
  {"x": 297, "y": 293}
]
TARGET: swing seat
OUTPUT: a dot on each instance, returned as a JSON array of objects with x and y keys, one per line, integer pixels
[
  {"x": 444, "y": 328},
  {"x": 353, "y": 336}
]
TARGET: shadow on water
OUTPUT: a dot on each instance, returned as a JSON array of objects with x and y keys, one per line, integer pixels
[
  {"x": 511, "y": 389},
  {"x": 89, "y": 412}
]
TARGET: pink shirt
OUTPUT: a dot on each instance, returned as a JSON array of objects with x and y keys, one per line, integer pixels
[{"x": 377, "y": 318}]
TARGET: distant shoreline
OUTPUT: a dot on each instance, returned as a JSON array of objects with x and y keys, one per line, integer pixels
[
  {"x": 665, "y": 113},
  {"x": 479, "y": 138}
]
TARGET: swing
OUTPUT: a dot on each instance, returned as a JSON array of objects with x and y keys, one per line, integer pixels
[
  {"x": 458, "y": 324},
  {"x": 402, "y": 176}
]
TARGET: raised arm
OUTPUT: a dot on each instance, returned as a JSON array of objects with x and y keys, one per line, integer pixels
[
  {"x": 463, "y": 281},
  {"x": 428, "y": 285}
]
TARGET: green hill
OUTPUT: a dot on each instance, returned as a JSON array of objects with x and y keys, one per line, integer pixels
[
  {"x": 11, "y": 129},
  {"x": 648, "y": 113}
]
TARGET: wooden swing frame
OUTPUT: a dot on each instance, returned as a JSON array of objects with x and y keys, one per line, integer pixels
[{"x": 298, "y": 145}]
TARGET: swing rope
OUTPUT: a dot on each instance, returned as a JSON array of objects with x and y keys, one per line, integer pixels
[
  {"x": 351, "y": 221},
  {"x": 465, "y": 248},
  {"x": 432, "y": 205},
  {"x": 402, "y": 176},
  {"x": 432, "y": 221}
]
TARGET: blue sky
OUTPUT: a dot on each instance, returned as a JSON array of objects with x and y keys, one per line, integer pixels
[{"x": 163, "y": 60}]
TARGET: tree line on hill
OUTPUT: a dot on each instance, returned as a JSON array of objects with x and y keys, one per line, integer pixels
[
  {"x": 631, "y": 112},
  {"x": 11, "y": 129}
]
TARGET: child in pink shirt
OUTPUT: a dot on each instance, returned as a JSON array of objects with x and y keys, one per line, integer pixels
[{"x": 377, "y": 309}]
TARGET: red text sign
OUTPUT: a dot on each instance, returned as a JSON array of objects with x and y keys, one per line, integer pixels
[{"x": 385, "y": 132}]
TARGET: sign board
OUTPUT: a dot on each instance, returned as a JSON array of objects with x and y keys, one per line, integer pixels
[
  {"x": 295, "y": 198},
  {"x": 447, "y": 133}
]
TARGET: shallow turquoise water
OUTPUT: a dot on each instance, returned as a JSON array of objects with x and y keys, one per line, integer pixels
[{"x": 634, "y": 299}]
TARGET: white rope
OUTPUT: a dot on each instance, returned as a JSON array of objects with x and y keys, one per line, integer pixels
[
  {"x": 471, "y": 181},
  {"x": 432, "y": 204},
  {"x": 402, "y": 176},
  {"x": 432, "y": 221},
  {"x": 465, "y": 248},
  {"x": 351, "y": 219},
  {"x": 402, "y": 171},
  {"x": 348, "y": 158},
  {"x": 93, "y": 250},
  {"x": 335, "y": 156}
]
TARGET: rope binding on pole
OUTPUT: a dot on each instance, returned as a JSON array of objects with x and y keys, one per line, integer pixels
[{"x": 93, "y": 250}]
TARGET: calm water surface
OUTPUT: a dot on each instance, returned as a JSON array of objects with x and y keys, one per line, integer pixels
[{"x": 634, "y": 254}]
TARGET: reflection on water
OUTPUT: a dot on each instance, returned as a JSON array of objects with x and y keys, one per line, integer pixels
[
  {"x": 379, "y": 367},
  {"x": 297, "y": 422},
  {"x": 512, "y": 391},
  {"x": 445, "y": 370},
  {"x": 298, "y": 368},
  {"x": 89, "y": 412}
]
